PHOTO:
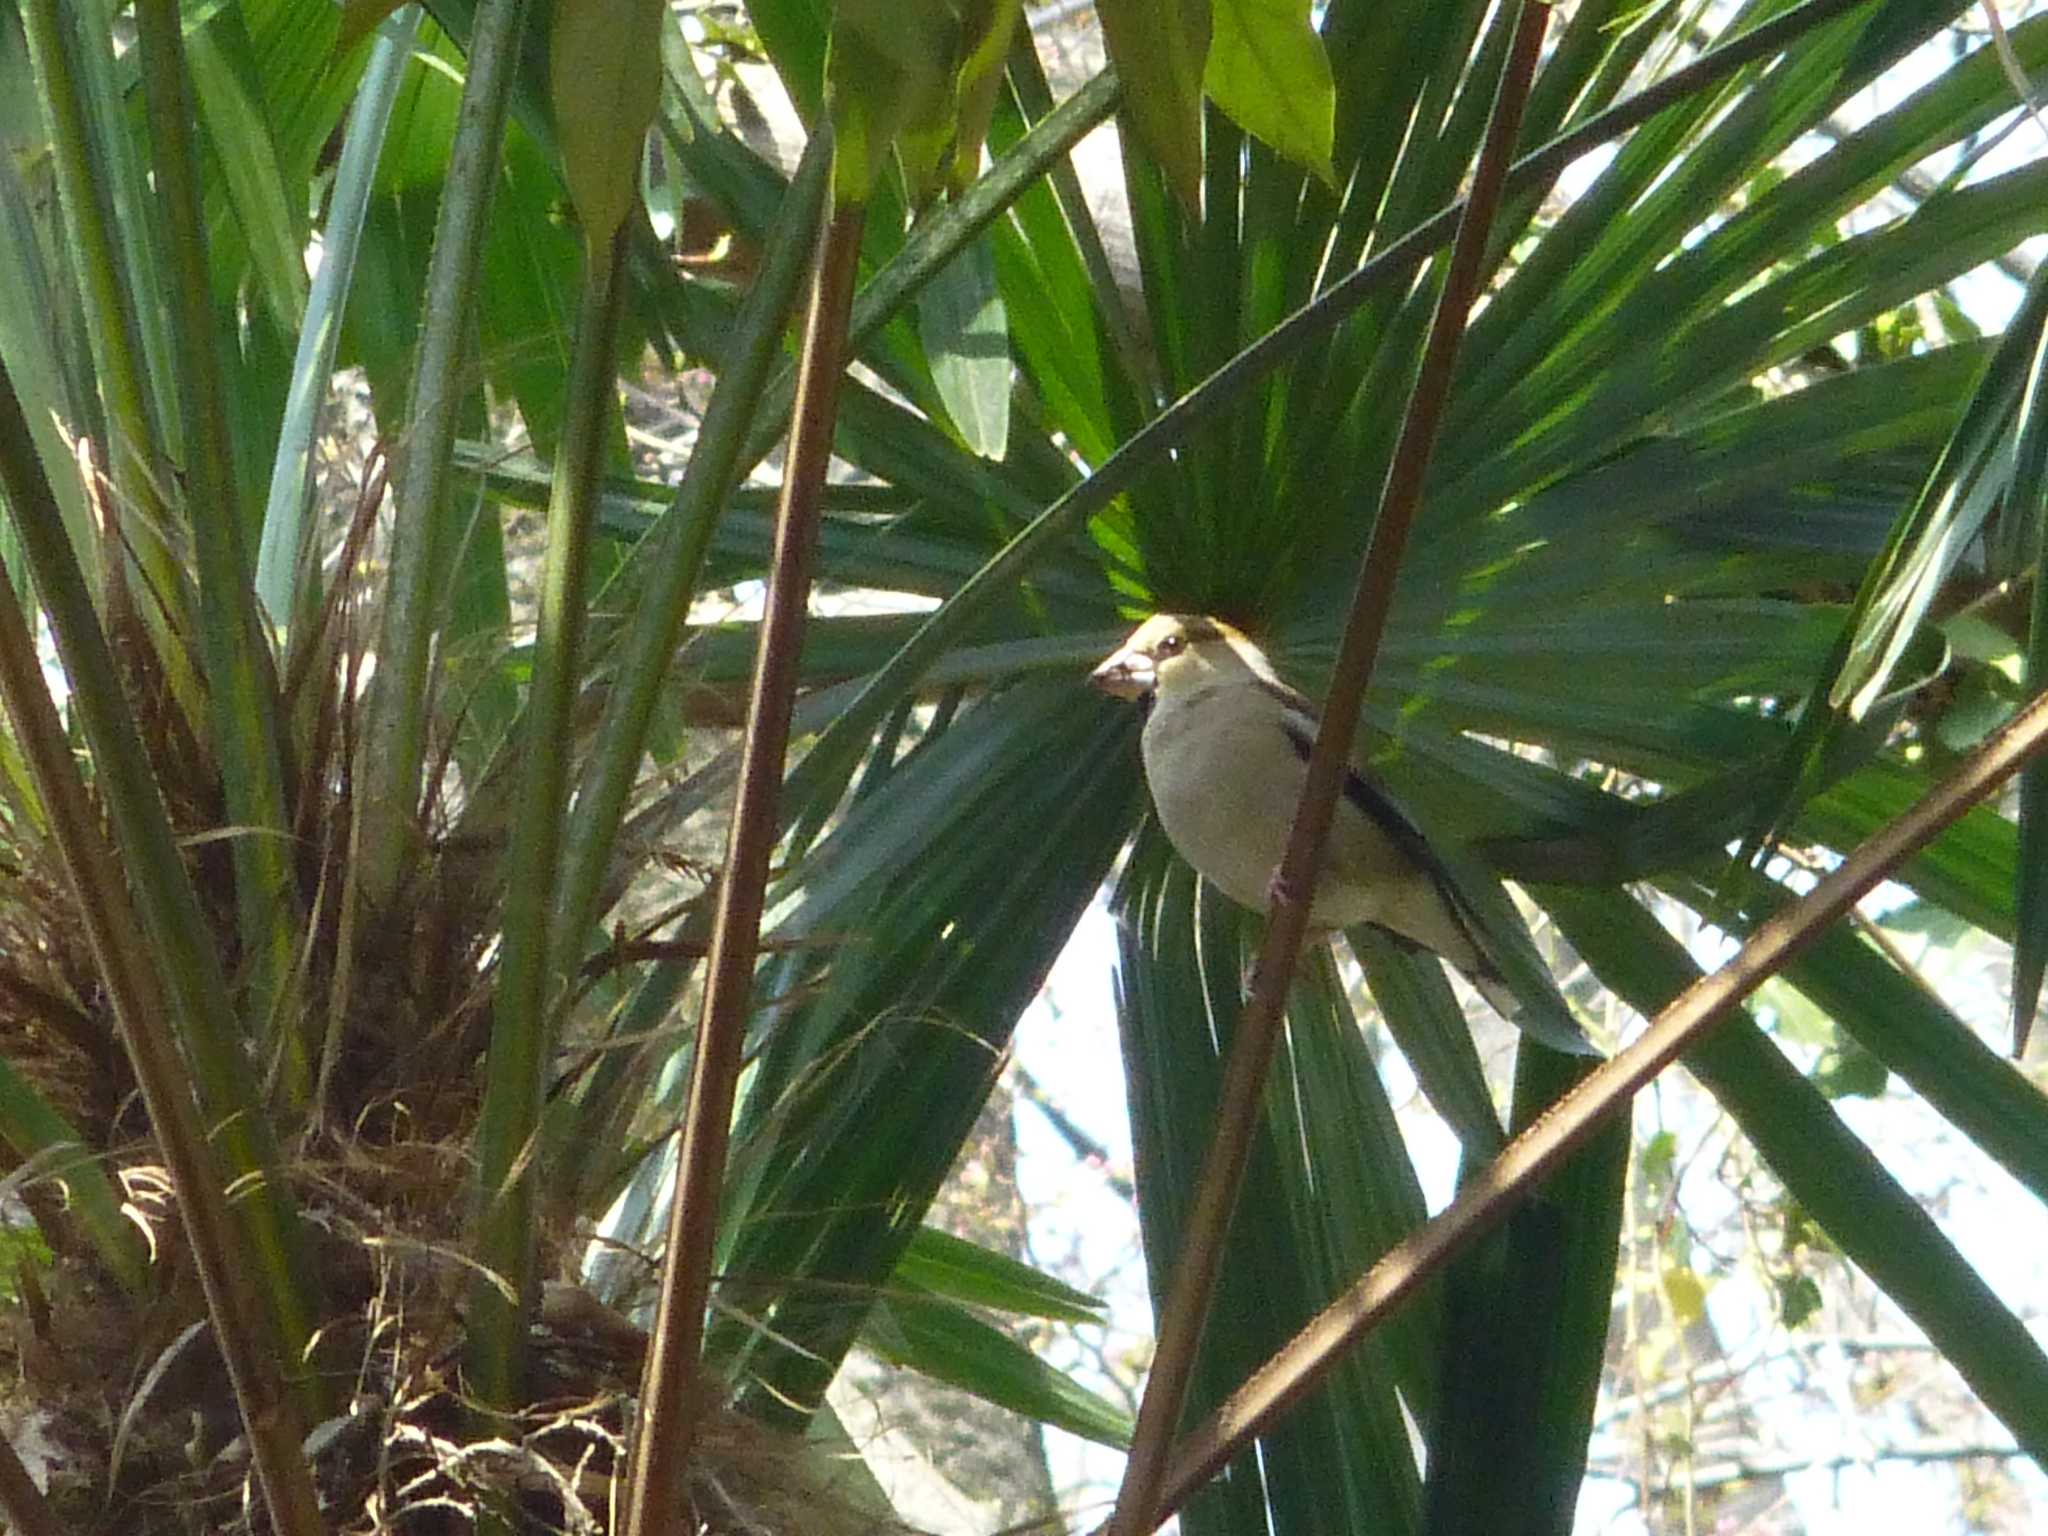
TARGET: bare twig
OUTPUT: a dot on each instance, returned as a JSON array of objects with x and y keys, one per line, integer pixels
[
  {"x": 1258, "y": 1027},
  {"x": 1084, "y": 1146},
  {"x": 667, "y": 1410},
  {"x": 1488, "y": 1197},
  {"x": 1728, "y": 1472}
]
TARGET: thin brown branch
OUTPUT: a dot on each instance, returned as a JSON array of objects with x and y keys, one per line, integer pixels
[
  {"x": 1538, "y": 1151},
  {"x": 670, "y": 1399},
  {"x": 1258, "y": 1027}
]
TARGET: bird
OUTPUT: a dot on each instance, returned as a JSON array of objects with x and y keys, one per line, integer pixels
[{"x": 1226, "y": 747}]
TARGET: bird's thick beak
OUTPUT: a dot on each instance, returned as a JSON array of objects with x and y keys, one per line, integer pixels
[{"x": 1126, "y": 675}]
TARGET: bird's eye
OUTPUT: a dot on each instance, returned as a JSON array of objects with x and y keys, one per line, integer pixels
[{"x": 1171, "y": 645}]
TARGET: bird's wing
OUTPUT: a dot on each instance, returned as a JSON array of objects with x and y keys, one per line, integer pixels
[
  {"x": 1547, "y": 1017},
  {"x": 1373, "y": 802}
]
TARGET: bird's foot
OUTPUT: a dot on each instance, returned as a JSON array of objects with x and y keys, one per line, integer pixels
[
  {"x": 1276, "y": 888},
  {"x": 1279, "y": 887}
]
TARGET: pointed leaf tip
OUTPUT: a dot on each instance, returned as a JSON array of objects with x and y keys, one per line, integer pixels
[
  {"x": 1268, "y": 70},
  {"x": 605, "y": 77},
  {"x": 966, "y": 335},
  {"x": 1160, "y": 49}
]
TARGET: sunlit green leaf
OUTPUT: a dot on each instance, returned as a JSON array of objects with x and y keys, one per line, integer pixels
[
  {"x": 950, "y": 1344},
  {"x": 1268, "y": 70},
  {"x": 605, "y": 64},
  {"x": 1160, "y": 49},
  {"x": 966, "y": 336},
  {"x": 890, "y": 67},
  {"x": 962, "y": 1271}
]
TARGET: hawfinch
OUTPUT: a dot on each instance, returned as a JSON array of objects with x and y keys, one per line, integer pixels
[{"x": 1226, "y": 749}]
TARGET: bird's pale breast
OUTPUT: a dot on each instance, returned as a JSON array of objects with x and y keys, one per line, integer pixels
[{"x": 1225, "y": 781}]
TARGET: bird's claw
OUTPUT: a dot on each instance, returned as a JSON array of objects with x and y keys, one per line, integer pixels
[{"x": 1278, "y": 888}]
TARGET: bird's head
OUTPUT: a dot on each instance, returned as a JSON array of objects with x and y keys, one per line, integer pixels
[{"x": 1175, "y": 651}]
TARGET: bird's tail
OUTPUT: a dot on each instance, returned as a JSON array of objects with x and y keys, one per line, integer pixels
[
  {"x": 1493, "y": 986},
  {"x": 1544, "y": 1016}
]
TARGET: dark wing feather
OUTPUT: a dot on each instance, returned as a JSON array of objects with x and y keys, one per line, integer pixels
[
  {"x": 1373, "y": 803},
  {"x": 1548, "y": 1017},
  {"x": 1368, "y": 798}
]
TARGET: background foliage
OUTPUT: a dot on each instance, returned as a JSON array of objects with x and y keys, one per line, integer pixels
[{"x": 1731, "y": 536}]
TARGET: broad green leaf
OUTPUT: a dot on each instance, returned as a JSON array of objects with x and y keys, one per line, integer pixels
[
  {"x": 990, "y": 26},
  {"x": 939, "y": 145},
  {"x": 1160, "y": 49},
  {"x": 966, "y": 336},
  {"x": 423, "y": 117},
  {"x": 605, "y": 74},
  {"x": 891, "y": 66},
  {"x": 532, "y": 265},
  {"x": 228, "y": 88},
  {"x": 1268, "y": 70},
  {"x": 916, "y": 36}
]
